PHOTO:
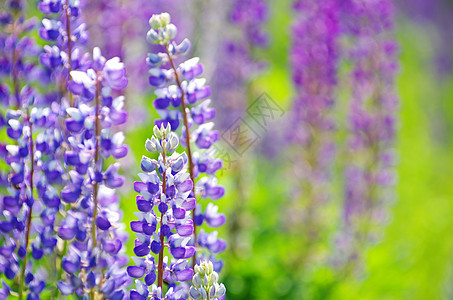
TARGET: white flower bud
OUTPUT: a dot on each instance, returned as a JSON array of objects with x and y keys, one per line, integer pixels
[
  {"x": 194, "y": 293},
  {"x": 173, "y": 140},
  {"x": 164, "y": 19},
  {"x": 154, "y": 21},
  {"x": 204, "y": 295},
  {"x": 205, "y": 280},
  {"x": 212, "y": 291},
  {"x": 220, "y": 291},
  {"x": 153, "y": 37},
  {"x": 157, "y": 132},
  {"x": 214, "y": 277},
  {"x": 150, "y": 146},
  {"x": 156, "y": 142},
  {"x": 167, "y": 130},
  {"x": 196, "y": 280},
  {"x": 170, "y": 31},
  {"x": 210, "y": 267}
]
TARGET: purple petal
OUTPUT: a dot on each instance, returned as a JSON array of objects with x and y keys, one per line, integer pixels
[
  {"x": 184, "y": 230},
  {"x": 184, "y": 275},
  {"x": 135, "y": 272},
  {"x": 102, "y": 223}
]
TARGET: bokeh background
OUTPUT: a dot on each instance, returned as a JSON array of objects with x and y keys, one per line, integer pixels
[{"x": 413, "y": 258}]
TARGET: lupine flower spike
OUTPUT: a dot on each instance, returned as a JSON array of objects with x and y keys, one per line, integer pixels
[
  {"x": 372, "y": 119},
  {"x": 180, "y": 94},
  {"x": 92, "y": 252},
  {"x": 22, "y": 241},
  {"x": 164, "y": 220},
  {"x": 314, "y": 60}
]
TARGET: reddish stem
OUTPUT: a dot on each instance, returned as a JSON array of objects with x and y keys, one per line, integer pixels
[
  {"x": 189, "y": 151},
  {"x": 96, "y": 156},
  {"x": 160, "y": 269}
]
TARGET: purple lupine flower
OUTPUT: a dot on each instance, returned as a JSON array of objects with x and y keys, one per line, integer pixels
[
  {"x": 165, "y": 209},
  {"x": 33, "y": 166},
  {"x": 179, "y": 88},
  {"x": 66, "y": 34},
  {"x": 91, "y": 229},
  {"x": 372, "y": 119},
  {"x": 93, "y": 226},
  {"x": 314, "y": 60},
  {"x": 85, "y": 79}
]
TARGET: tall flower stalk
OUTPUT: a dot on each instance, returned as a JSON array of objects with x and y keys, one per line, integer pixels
[
  {"x": 314, "y": 60},
  {"x": 372, "y": 119},
  {"x": 91, "y": 140},
  {"x": 178, "y": 87},
  {"x": 26, "y": 115},
  {"x": 92, "y": 253},
  {"x": 164, "y": 221},
  {"x": 236, "y": 66}
]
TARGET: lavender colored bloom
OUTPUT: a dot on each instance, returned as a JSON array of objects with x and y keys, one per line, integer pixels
[
  {"x": 92, "y": 228},
  {"x": 32, "y": 129},
  {"x": 438, "y": 15},
  {"x": 164, "y": 214},
  {"x": 251, "y": 15},
  {"x": 372, "y": 118},
  {"x": 237, "y": 65},
  {"x": 314, "y": 60},
  {"x": 90, "y": 107}
]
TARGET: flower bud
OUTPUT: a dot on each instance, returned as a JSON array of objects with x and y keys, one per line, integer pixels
[
  {"x": 153, "y": 37},
  {"x": 220, "y": 291},
  {"x": 170, "y": 31},
  {"x": 173, "y": 140},
  {"x": 157, "y": 132},
  {"x": 193, "y": 292},
  {"x": 214, "y": 277},
  {"x": 196, "y": 280},
  {"x": 148, "y": 164},
  {"x": 183, "y": 47},
  {"x": 150, "y": 146},
  {"x": 210, "y": 267},
  {"x": 154, "y": 21},
  {"x": 164, "y": 19}
]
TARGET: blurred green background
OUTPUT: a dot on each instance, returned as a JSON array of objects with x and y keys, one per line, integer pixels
[
  {"x": 414, "y": 257},
  {"x": 413, "y": 260}
]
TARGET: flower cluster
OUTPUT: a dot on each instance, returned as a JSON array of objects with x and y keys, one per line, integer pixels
[
  {"x": 91, "y": 140},
  {"x": 164, "y": 220},
  {"x": 59, "y": 197},
  {"x": 314, "y": 59},
  {"x": 205, "y": 283},
  {"x": 30, "y": 157},
  {"x": 372, "y": 119},
  {"x": 90, "y": 109},
  {"x": 65, "y": 32},
  {"x": 181, "y": 95}
]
